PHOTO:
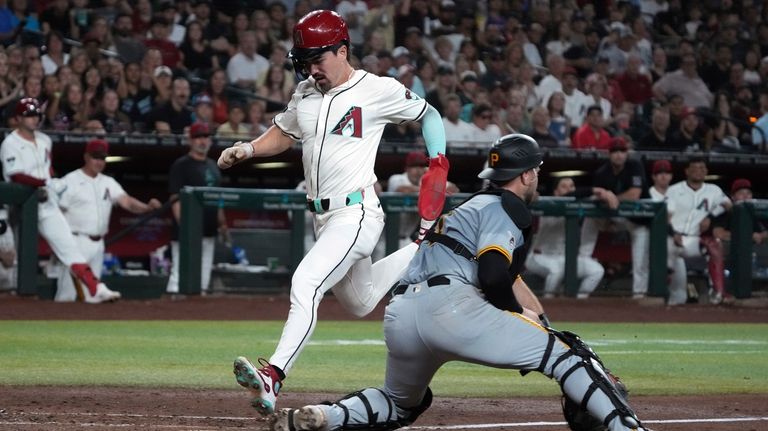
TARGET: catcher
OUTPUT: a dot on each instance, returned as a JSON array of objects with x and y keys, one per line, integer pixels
[{"x": 454, "y": 304}]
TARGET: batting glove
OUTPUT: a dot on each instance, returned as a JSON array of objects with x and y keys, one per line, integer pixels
[{"x": 235, "y": 154}]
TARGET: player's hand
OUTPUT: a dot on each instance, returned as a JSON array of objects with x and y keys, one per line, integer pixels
[
  {"x": 42, "y": 194},
  {"x": 677, "y": 239},
  {"x": 154, "y": 204},
  {"x": 235, "y": 154}
]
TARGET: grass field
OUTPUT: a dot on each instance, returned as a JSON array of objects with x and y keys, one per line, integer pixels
[{"x": 653, "y": 359}]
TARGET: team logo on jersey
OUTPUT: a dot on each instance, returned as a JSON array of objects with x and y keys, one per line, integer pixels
[
  {"x": 411, "y": 96},
  {"x": 351, "y": 124},
  {"x": 703, "y": 205},
  {"x": 10, "y": 161},
  {"x": 107, "y": 196}
]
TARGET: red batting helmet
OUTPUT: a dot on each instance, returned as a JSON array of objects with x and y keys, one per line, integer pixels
[
  {"x": 28, "y": 107},
  {"x": 315, "y": 33}
]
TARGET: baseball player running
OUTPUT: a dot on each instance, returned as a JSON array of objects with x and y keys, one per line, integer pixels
[
  {"x": 86, "y": 201},
  {"x": 26, "y": 158},
  {"x": 454, "y": 304},
  {"x": 338, "y": 114}
]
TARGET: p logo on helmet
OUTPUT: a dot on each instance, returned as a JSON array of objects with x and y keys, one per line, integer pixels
[{"x": 493, "y": 158}]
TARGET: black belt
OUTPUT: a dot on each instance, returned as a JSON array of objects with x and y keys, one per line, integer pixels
[
  {"x": 438, "y": 280},
  {"x": 92, "y": 237}
]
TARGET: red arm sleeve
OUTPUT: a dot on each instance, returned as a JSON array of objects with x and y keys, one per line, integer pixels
[{"x": 27, "y": 180}]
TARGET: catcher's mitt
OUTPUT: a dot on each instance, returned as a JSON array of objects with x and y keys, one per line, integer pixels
[{"x": 579, "y": 419}]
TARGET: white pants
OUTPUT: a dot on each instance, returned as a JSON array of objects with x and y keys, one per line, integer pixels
[
  {"x": 340, "y": 260},
  {"x": 676, "y": 261},
  {"x": 54, "y": 228},
  {"x": 209, "y": 244},
  {"x": 93, "y": 251},
  {"x": 640, "y": 246},
  {"x": 552, "y": 268}
]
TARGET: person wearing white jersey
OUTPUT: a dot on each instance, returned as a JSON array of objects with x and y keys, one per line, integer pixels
[
  {"x": 338, "y": 114},
  {"x": 661, "y": 175},
  {"x": 547, "y": 256},
  {"x": 86, "y": 201},
  {"x": 26, "y": 159},
  {"x": 693, "y": 205}
]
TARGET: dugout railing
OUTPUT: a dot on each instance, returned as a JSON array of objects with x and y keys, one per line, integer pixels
[{"x": 23, "y": 201}]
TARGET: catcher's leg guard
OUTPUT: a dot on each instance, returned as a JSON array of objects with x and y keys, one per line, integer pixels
[
  {"x": 371, "y": 409},
  {"x": 589, "y": 387}
]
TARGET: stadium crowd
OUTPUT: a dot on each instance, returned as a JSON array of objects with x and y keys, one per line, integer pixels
[{"x": 666, "y": 75}]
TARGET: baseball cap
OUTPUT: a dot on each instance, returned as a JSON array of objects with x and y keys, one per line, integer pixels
[
  {"x": 570, "y": 70},
  {"x": 468, "y": 75},
  {"x": 97, "y": 148},
  {"x": 660, "y": 166},
  {"x": 416, "y": 158},
  {"x": 163, "y": 70},
  {"x": 400, "y": 50},
  {"x": 201, "y": 98},
  {"x": 618, "y": 143},
  {"x": 198, "y": 130},
  {"x": 740, "y": 183},
  {"x": 404, "y": 70},
  {"x": 445, "y": 70}
]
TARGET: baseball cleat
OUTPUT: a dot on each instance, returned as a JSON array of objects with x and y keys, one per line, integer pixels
[
  {"x": 264, "y": 383},
  {"x": 307, "y": 418},
  {"x": 103, "y": 294}
]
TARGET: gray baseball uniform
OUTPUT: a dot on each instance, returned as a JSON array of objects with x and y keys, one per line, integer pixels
[{"x": 439, "y": 314}]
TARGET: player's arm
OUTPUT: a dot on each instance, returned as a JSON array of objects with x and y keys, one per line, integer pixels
[
  {"x": 135, "y": 206},
  {"x": 271, "y": 142},
  {"x": 27, "y": 180},
  {"x": 433, "y": 183},
  {"x": 494, "y": 278},
  {"x": 528, "y": 300},
  {"x": 631, "y": 194}
]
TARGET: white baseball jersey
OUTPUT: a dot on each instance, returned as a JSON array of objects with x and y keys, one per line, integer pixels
[
  {"x": 689, "y": 207},
  {"x": 21, "y": 156},
  {"x": 87, "y": 202},
  {"x": 340, "y": 130}
]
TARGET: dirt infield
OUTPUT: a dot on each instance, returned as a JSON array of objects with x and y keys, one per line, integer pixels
[{"x": 65, "y": 408}]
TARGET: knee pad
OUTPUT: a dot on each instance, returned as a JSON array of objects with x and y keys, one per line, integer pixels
[
  {"x": 601, "y": 379},
  {"x": 373, "y": 410}
]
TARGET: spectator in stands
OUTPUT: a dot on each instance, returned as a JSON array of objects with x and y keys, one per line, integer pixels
[
  {"x": 688, "y": 136},
  {"x": 217, "y": 86},
  {"x": 658, "y": 66},
  {"x": 173, "y": 116},
  {"x": 752, "y": 68},
  {"x": 446, "y": 85},
  {"x": 467, "y": 88},
  {"x": 684, "y": 82},
  {"x": 202, "y": 111},
  {"x": 257, "y": 122},
  {"x": 547, "y": 256},
  {"x": 167, "y": 9},
  {"x": 110, "y": 116},
  {"x": 592, "y": 135},
  {"x": 716, "y": 73},
  {"x": 496, "y": 72},
  {"x": 246, "y": 66},
  {"x": 540, "y": 130},
  {"x": 130, "y": 48},
  {"x": 596, "y": 86},
  {"x": 582, "y": 57},
  {"x": 385, "y": 63},
  {"x": 656, "y": 137},
  {"x": 559, "y": 123},
  {"x": 624, "y": 179},
  {"x": 635, "y": 86},
  {"x": 456, "y": 129},
  {"x": 71, "y": 111},
  {"x": 56, "y": 17},
  {"x": 561, "y": 40},
  {"x": 692, "y": 205},
  {"x": 141, "y": 17},
  {"x": 575, "y": 100},
  {"x": 135, "y": 102},
  {"x": 741, "y": 191},
  {"x": 553, "y": 81},
  {"x": 723, "y": 132},
  {"x": 10, "y": 86},
  {"x": 93, "y": 87},
  {"x": 55, "y": 56},
  {"x": 195, "y": 169},
  {"x": 199, "y": 57},
  {"x": 234, "y": 127},
  {"x": 517, "y": 120},
  {"x": 159, "y": 31},
  {"x": 379, "y": 20},
  {"x": 353, "y": 12},
  {"x": 162, "y": 80},
  {"x": 275, "y": 87},
  {"x": 484, "y": 121},
  {"x": 79, "y": 62},
  {"x": 760, "y": 130},
  {"x": 661, "y": 175}
]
